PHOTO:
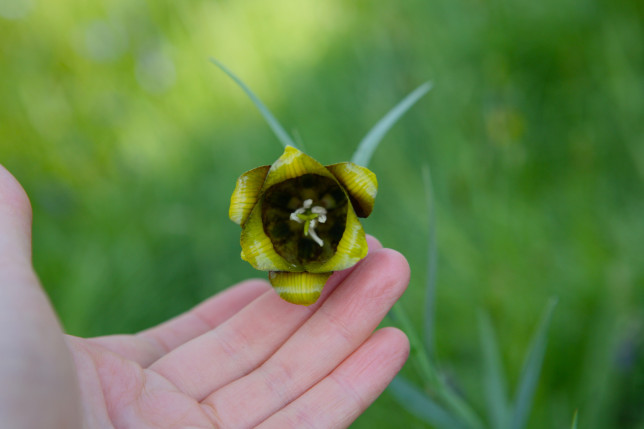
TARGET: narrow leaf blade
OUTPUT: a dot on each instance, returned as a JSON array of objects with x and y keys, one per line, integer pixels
[
  {"x": 430, "y": 376},
  {"x": 420, "y": 405},
  {"x": 417, "y": 352},
  {"x": 370, "y": 142},
  {"x": 430, "y": 290},
  {"x": 574, "y": 420},
  {"x": 494, "y": 380},
  {"x": 276, "y": 127},
  {"x": 531, "y": 370}
]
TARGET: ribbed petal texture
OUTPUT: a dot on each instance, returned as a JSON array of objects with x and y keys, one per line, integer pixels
[
  {"x": 360, "y": 183},
  {"x": 246, "y": 194},
  {"x": 298, "y": 288}
]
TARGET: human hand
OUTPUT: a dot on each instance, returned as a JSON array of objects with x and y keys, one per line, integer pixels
[{"x": 243, "y": 358}]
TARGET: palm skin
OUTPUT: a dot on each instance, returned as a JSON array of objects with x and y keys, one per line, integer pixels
[{"x": 244, "y": 358}]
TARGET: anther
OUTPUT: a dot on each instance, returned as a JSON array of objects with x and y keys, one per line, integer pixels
[{"x": 312, "y": 216}]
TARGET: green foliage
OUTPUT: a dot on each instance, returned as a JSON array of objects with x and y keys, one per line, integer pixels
[
  {"x": 370, "y": 142},
  {"x": 272, "y": 122},
  {"x": 530, "y": 373},
  {"x": 495, "y": 380},
  {"x": 432, "y": 265},
  {"x": 128, "y": 144},
  {"x": 421, "y": 405},
  {"x": 574, "y": 421},
  {"x": 457, "y": 413}
]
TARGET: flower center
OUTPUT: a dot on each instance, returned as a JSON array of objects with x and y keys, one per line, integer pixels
[
  {"x": 310, "y": 216},
  {"x": 291, "y": 236}
]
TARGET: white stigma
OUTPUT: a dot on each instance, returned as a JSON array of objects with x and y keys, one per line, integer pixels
[{"x": 314, "y": 234}]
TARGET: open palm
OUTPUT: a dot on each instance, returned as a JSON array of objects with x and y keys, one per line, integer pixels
[{"x": 243, "y": 358}]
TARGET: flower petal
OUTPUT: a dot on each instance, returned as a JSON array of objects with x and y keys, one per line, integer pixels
[
  {"x": 257, "y": 248},
  {"x": 351, "y": 248},
  {"x": 246, "y": 194},
  {"x": 293, "y": 163},
  {"x": 360, "y": 183},
  {"x": 298, "y": 288}
]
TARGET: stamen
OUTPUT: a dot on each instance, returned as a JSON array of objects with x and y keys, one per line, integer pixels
[
  {"x": 314, "y": 235},
  {"x": 321, "y": 212},
  {"x": 310, "y": 216},
  {"x": 295, "y": 215}
]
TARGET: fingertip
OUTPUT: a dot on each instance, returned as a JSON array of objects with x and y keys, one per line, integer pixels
[
  {"x": 12, "y": 194},
  {"x": 395, "y": 268},
  {"x": 397, "y": 341},
  {"x": 392, "y": 266},
  {"x": 15, "y": 219},
  {"x": 373, "y": 243}
]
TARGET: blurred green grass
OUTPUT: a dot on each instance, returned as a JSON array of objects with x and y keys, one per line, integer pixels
[{"x": 129, "y": 141}]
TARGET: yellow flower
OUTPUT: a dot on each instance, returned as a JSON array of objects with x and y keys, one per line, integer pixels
[{"x": 300, "y": 222}]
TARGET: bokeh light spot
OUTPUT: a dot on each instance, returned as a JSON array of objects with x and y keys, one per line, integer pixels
[
  {"x": 104, "y": 42},
  {"x": 155, "y": 71},
  {"x": 15, "y": 9}
]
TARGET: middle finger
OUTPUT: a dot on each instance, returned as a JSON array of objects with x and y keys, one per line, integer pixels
[{"x": 240, "y": 344}]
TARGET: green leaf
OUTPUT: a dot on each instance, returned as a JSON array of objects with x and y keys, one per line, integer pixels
[
  {"x": 418, "y": 354},
  {"x": 420, "y": 405},
  {"x": 429, "y": 373},
  {"x": 370, "y": 142},
  {"x": 531, "y": 370},
  {"x": 494, "y": 381},
  {"x": 574, "y": 420},
  {"x": 277, "y": 128},
  {"x": 430, "y": 289}
]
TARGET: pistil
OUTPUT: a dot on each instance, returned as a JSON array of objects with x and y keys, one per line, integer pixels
[{"x": 310, "y": 216}]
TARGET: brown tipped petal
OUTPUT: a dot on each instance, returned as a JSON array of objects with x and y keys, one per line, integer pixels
[
  {"x": 298, "y": 288},
  {"x": 360, "y": 183},
  {"x": 293, "y": 163},
  {"x": 246, "y": 194}
]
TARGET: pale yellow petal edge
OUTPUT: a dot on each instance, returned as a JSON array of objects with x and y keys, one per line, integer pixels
[
  {"x": 351, "y": 248},
  {"x": 298, "y": 288},
  {"x": 360, "y": 183},
  {"x": 246, "y": 194},
  {"x": 257, "y": 248}
]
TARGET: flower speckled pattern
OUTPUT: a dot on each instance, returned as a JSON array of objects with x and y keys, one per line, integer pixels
[{"x": 300, "y": 222}]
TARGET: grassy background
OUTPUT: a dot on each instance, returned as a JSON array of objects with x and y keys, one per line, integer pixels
[{"x": 129, "y": 141}]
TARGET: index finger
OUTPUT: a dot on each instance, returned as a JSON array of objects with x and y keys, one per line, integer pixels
[{"x": 152, "y": 344}]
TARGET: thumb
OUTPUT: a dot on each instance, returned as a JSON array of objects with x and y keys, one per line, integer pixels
[
  {"x": 36, "y": 366},
  {"x": 15, "y": 223}
]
